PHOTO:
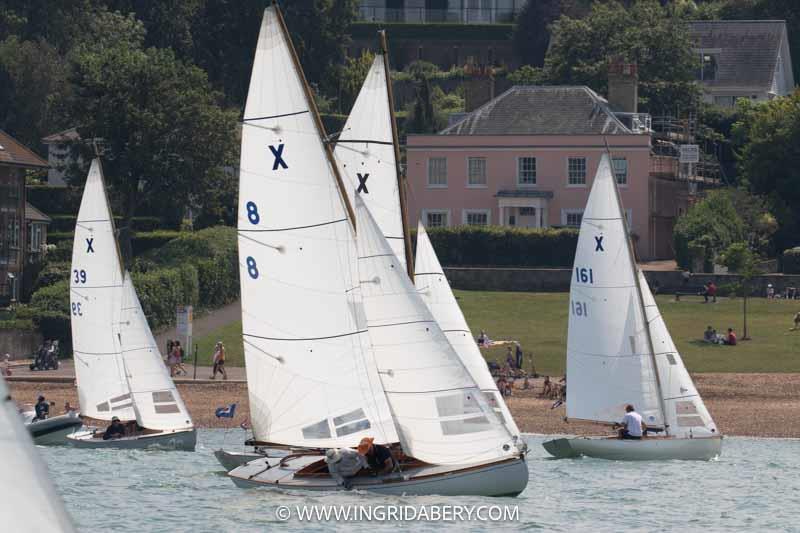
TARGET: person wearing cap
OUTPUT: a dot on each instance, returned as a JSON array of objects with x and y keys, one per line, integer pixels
[
  {"x": 379, "y": 458},
  {"x": 42, "y": 409},
  {"x": 115, "y": 431},
  {"x": 344, "y": 464}
]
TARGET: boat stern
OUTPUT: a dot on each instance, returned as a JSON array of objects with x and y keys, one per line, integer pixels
[{"x": 561, "y": 449}]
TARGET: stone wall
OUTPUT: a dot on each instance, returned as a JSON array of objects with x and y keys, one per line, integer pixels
[
  {"x": 558, "y": 280},
  {"x": 20, "y": 344}
]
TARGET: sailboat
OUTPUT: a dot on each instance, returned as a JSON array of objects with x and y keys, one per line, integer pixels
[
  {"x": 30, "y": 502},
  {"x": 118, "y": 366},
  {"x": 338, "y": 344},
  {"x": 620, "y": 352}
]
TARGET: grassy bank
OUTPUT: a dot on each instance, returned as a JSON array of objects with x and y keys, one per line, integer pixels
[{"x": 539, "y": 322}]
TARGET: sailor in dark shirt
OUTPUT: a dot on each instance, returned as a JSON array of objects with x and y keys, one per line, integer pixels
[
  {"x": 379, "y": 458},
  {"x": 42, "y": 409},
  {"x": 115, "y": 431}
]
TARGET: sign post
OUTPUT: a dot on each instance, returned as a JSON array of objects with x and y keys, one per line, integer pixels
[
  {"x": 184, "y": 327},
  {"x": 689, "y": 154}
]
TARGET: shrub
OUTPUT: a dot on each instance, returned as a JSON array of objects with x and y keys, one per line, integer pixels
[
  {"x": 53, "y": 272},
  {"x": 161, "y": 291},
  {"x": 791, "y": 260},
  {"x": 504, "y": 246}
]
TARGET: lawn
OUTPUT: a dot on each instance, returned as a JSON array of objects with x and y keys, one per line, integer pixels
[{"x": 539, "y": 322}]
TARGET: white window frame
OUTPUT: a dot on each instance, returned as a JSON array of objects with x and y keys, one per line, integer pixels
[
  {"x": 585, "y": 171},
  {"x": 566, "y": 212},
  {"x": 519, "y": 171},
  {"x": 35, "y": 237},
  {"x": 13, "y": 233},
  {"x": 437, "y": 185},
  {"x": 627, "y": 169},
  {"x": 485, "y": 183},
  {"x": 466, "y": 212},
  {"x": 445, "y": 212}
]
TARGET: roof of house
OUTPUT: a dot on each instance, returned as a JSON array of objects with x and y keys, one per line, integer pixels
[
  {"x": 67, "y": 135},
  {"x": 748, "y": 49},
  {"x": 542, "y": 110},
  {"x": 14, "y": 153},
  {"x": 34, "y": 215}
]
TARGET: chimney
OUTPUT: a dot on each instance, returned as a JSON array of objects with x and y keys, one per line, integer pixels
[
  {"x": 623, "y": 85},
  {"x": 478, "y": 87}
]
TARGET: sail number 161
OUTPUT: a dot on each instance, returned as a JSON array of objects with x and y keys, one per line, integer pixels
[
  {"x": 584, "y": 275},
  {"x": 579, "y": 308}
]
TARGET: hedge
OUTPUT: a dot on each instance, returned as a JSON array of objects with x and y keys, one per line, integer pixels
[
  {"x": 791, "y": 260},
  {"x": 504, "y": 247},
  {"x": 141, "y": 242},
  {"x": 66, "y": 223}
]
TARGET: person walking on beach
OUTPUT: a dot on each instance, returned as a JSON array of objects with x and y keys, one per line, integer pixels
[
  {"x": 179, "y": 354},
  {"x": 219, "y": 361},
  {"x": 518, "y": 354}
]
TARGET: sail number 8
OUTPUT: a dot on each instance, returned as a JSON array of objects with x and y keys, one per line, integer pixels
[
  {"x": 584, "y": 275},
  {"x": 252, "y": 213},
  {"x": 579, "y": 308},
  {"x": 252, "y": 268}
]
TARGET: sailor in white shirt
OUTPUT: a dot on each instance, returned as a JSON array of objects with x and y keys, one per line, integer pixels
[{"x": 631, "y": 424}]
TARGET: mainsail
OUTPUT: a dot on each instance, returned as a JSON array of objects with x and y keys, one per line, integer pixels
[
  {"x": 366, "y": 154},
  {"x": 155, "y": 398},
  {"x": 435, "y": 291},
  {"x": 310, "y": 375},
  {"x": 30, "y": 502},
  {"x": 609, "y": 363},
  {"x": 95, "y": 292},
  {"x": 440, "y": 414}
]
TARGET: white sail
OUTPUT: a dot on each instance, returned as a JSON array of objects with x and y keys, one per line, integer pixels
[
  {"x": 609, "y": 363},
  {"x": 440, "y": 413},
  {"x": 366, "y": 156},
  {"x": 309, "y": 371},
  {"x": 95, "y": 306},
  {"x": 30, "y": 502},
  {"x": 435, "y": 291},
  {"x": 155, "y": 397},
  {"x": 686, "y": 413}
]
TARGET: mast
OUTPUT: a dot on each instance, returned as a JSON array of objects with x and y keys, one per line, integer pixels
[
  {"x": 401, "y": 188},
  {"x": 312, "y": 105},
  {"x": 632, "y": 257}
]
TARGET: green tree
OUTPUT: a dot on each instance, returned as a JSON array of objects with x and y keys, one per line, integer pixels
[
  {"x": 164, "y": 135},
  {"x": 768, "y": 136},
  {"x": 526, "y": 75},
  {"x": 532, "y": 30},
  {"x": 741, "y": 259},
  {"x": 352, "y": 76},
  {"x": 646, "y": 33}
]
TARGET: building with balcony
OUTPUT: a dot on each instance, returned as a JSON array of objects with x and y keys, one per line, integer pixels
[
  {"x": 15, "y": 225},
  {"x": 527, "y": 158},
  {"x": 742, "y": 59}
]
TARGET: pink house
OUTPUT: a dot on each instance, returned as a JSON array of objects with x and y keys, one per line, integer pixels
[{"x": 528, "y": 157}]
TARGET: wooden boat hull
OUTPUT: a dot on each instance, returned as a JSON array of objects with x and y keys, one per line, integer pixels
[
  {"x": 184, "y": 440},
  {"x": 231, "y": 460},
  {"x": 503, "y": 478},
  {"x": 653, "y": 449},
  {"x": 53, "y": 431}
]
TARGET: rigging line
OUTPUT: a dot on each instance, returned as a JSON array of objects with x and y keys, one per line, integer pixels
[
  {"x": 278, "y": 248},
  {"x": 292, "y": 228},
  {"x": 682, "y": 397},
  {"x": 403, "y": 323},
  {"x": 390, "y": 237},
  {"x": 428, "y": 274},
  {"x": 94, "y": 353},
  {"x": 430, "y": 391},
  {"x": 79, "y": 222},
  {"x": 276, "y": 357},
  {"x": 376, "y": 255},
  {"x": 456, "y": 331},
  {"x": 367, "y": 141},
  {"x": 598, "y": 218},
  {"x": 306, "y": 338},
  {"x": 244, "y": 120}
]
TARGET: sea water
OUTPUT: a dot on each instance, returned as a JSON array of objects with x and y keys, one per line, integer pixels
[{"x": 755, "y": 486}]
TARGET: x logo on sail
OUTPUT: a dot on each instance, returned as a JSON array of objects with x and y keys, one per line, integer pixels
[
  {"x": 89, "y": 248},
  {"x": 362, "y": 183},
  {"x": 599, "y": 242},
  {"x": 278, "y": 153}
]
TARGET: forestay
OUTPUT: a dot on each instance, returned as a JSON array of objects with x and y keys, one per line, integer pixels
[
  {"x": 155, "y": 397},
  {"x": 95, "y": 306},
  {"x": 686, "y": 413},
  {"x": 609, "y": 363},
  {"x": 433, "y": 287},
  {"x": 311, "y": 378},
  {"x": 440, "y": 413},
  {"x": 29, "y": 499},
  {"x": 366, "y": 156}
]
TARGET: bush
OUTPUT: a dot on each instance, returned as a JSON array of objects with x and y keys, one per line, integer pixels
[
  {"x": 504, "y": 246},
  {"x": 53, "y": 272},
  {"x": 142, "y": 241},
  {"x": 791, "y": 260},
  {"x": 161, "y": 291}
]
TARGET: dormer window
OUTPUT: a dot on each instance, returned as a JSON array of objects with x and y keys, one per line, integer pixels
[{"x": 708, "y": 67}]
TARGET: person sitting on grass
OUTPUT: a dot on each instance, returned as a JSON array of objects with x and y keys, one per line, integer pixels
[
  {"x": 483, "y": 339},
  {"x": 730, "y": 339},
  {"x": 710, "y": 335},
  {"x": 796, "y": 322}
]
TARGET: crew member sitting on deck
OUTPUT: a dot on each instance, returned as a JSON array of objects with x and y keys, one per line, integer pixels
[
  {"x": 379, "y": 458},
  {"x": 631, "y": 424},
  {"x": 115, "y": 431},
  {"x": 42, "y": 409},
  {"x": 344, "y": 464}
]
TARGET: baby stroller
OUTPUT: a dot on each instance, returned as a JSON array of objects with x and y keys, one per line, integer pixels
[{"x": 46, "y": 357}]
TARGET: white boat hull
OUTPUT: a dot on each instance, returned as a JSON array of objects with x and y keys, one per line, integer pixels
[
  {"x": 647, "y": 449},
  {"x": 231, "y": 460},
  {"x": 503, "y": 478},
  {"x": 184, "y": 440},
  {"x": 53, "y": 431}
]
